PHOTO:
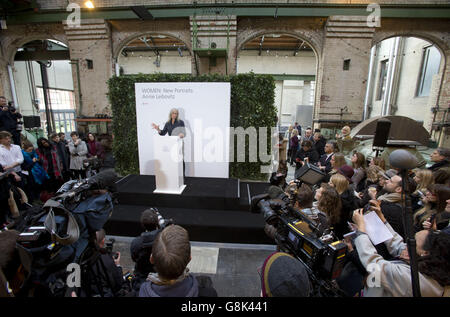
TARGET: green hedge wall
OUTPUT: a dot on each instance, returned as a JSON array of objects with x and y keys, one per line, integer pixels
[{"x": 252, "y": 105}]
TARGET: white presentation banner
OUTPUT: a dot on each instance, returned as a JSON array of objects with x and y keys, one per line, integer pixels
[{"x": 205, "y": 111}]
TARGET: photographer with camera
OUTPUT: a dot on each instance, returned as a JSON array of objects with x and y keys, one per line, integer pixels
[
  {"x": 307, "y": 153},
  {"x": 107, "y": 279},
  {"x": 141, "y": 247},
  {"x": 17, "y": 117},
  {"x": 302, "y": 200},
  {"x": 394, "y": 277},
  {"x": 8, "y": 120}
]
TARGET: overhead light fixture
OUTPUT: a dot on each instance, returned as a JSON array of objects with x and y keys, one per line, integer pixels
[{"x": 89, "y": 4}]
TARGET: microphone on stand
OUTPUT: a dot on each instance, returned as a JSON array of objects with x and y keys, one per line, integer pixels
[{"x": 405, "y": 161}]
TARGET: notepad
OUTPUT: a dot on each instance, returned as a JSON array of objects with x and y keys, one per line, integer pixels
[{"x": 377, "y": 231}]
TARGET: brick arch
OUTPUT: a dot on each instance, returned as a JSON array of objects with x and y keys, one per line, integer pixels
[
  {"x": 442, "y": 46},
  {"x": 309, "y": 40},
  {"x": 19, "y": 41},
  {"x": 433, "y": 38},
  {"x": 134, "y": 36}
]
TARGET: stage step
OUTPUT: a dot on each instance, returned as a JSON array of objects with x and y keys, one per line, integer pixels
[
  {"x": 200, "y": 193},
  {"x": 208, "y": 225}
]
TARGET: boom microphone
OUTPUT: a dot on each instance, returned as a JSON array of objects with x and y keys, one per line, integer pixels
[
  {"x": 403, "y": 160},
  {"x": 103, "y": 180}
]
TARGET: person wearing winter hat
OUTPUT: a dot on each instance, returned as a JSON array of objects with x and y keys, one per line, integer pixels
[
  {"x": 282, "y": 275},
  {"x": 347, "y": 171}
]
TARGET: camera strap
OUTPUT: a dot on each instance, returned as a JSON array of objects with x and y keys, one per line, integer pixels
[
  {"x": 446, "y": 291},
  {"x": 73, "y": 231}
]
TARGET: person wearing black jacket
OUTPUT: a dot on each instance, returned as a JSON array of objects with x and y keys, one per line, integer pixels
[
  {"x": 306, "y": 153},
  {"x": 390, "y": 204},
  {"x": 107, "y": 276},
  {"x": 441, "y": 159},
  {"x": 325, "y": 159},
  {"x": 141, "y": 247},
  {"x": 319, "y": 143},
  {"x": 7, "y": 120},
  {"x": 63, "y": 155},
  {"x": 16, "y": 132}
]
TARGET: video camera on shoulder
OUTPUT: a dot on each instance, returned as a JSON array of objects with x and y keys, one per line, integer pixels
[{"x": 323, "y": 255}]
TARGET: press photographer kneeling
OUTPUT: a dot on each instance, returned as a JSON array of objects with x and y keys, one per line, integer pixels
[{"x": 141, "y": 247}]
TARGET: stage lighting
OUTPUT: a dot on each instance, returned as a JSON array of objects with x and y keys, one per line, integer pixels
[
  {"x": 309, "y": 174},
  {"x": 89, "y": 4}
]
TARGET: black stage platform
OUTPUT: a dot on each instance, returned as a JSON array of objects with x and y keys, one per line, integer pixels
[{"x": 211, "y": 209}]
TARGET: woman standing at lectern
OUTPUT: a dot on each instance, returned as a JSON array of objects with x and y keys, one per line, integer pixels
[{"x": 174, "y": 126}]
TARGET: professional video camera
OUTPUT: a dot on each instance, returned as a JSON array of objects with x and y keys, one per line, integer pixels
[
  {"x": 63, "y": 230},
  {"x": 321, "y": 253}
]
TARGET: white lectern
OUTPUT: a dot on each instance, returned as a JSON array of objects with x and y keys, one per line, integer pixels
[{"x": 168, "y": 153}]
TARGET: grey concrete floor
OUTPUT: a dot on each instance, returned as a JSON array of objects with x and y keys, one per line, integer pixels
[{"x": 233, "y": 268}]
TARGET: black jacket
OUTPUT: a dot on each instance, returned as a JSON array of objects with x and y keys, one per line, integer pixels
[
  {"x": 349, "y": 204},
  {"x": 311, "y": 154},
  {"x": 326, "y": 162},
  {"x": 393, "y": 214},
  {"x": 141, "y": 249},
  {"x": 63, "y": 154},
  {"x": 107, "y": 275},
  {"x": 8, "y": 122},
  {"x": 320, "y": 145},
  {"x": 437, "y": 166},
  {"x": 178, "y": 126}
]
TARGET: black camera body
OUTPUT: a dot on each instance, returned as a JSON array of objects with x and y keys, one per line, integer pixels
[{"x": 322, "y": 254}]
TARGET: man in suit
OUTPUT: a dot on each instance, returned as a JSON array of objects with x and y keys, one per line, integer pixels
[
  {"x": 325, "y": 159},
  {"x": 319, "y": 142}
]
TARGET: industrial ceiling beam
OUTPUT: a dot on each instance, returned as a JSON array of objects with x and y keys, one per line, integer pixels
[{"x": 239, "y": 10}]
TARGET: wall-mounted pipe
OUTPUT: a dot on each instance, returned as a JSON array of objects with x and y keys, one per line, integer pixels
[
  {"x": 13, "y": 87},
  {"x": 369, "y": 89},
  {"x": 77, "y": 73}
]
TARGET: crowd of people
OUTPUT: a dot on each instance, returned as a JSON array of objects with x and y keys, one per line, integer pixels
[
  {"x": 356, "y": 186},
  {"x": 30, "y": 174},
  {"x": 350, "y": 189}
]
